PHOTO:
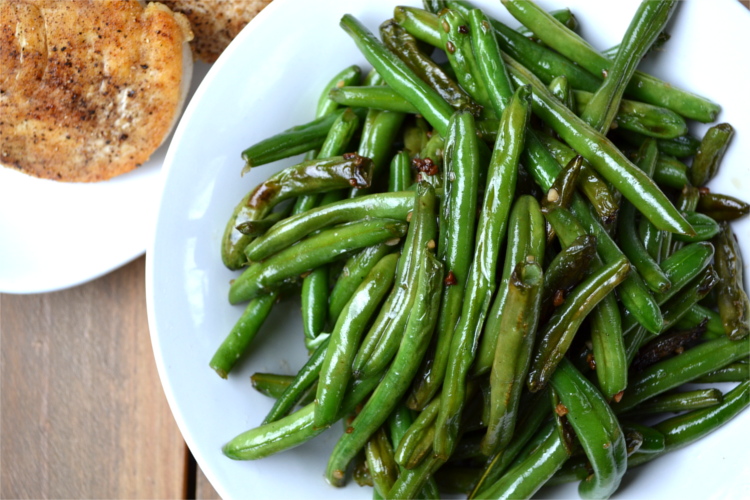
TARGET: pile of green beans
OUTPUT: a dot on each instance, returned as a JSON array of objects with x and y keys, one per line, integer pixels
[{"x": 506, "y": 269}]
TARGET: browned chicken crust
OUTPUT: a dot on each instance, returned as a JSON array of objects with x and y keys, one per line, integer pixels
[
  {"x": 88, "y": 88},
  {"x": 216, "y": 22}
]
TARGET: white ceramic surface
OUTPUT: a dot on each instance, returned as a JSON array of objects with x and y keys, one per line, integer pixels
[
  {"x": 268, "y": 80},
  {"x": 55, "y": 235}
]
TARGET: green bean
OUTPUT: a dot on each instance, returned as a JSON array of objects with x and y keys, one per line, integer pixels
[
  {"x": 398, "y": 377},
  {"x": 633, "y": 292},
  {"x": 681, "y": 401},
  {"x": 735, "y": 372},
  {"x": 556, "y": 336},
  {"x": 305, "y": 178},
  {"x": 677, "y": 306},
  {"x": 705, "y": 228},
  {"x": 525, "y": 244},
  {"x": 355, "y": 271},
  {"x": 421, "y": 24},
  {"x": 652, "y": 238},
  {"x": 513, "y": 353},
  {"x": 379, "y": 455},
  {"x": 734, "y": 306},
  {"x": 565, "y": 271},
  {"x": 594, "y": 188},
  {"x": 373, "y": 97},
  {"x": 381, "y": 342},
  {"x": 434, "y": 6},
  {"x": 360, "y": 470},
  {"x": 646, "y": 119},
  {"x": 670, "y": 172},
  {"x": 420, "y": 428},
  {"x": 650, "y": 440},
  {"x": 416, "y": 135},
  {"x": 335, "y": 370},
  {"x": 491, "y": 67},
  {"x": 534, "y": 410},
  {"x": 315, "y": 251},
  {"x": 457, "y": 223},
  {"x": 412, "y": 482},
  {"x": 647, "y": 23},
  {"x": 304, "y": 380},
  {"x": 673, "y": 372},
  {"x": 480, "y": 286},
  {"x": 603, "y": 155},
  {"x": 399, "y": 423},
  {"x": 257, "y": 228},
  {"x": 398, "y": 76},
  {"x": 290, "y": 142},
  {"x": 696, "y": 315},
  {"x": 560, "y": 88},
  {"x": 242, "y": 334},
  {"x": 642, "y": 87},
  {"x": 709, "y": 155},
  {"x": 526, "y": 476},
  {"x": 347, "y": 76},
  {"x": 565, "y": 16},
  {"x": 629, "y": 240},
  {"x": 611, "y": 52},
  {"x": 721, "y": 207},
  {"x": 290, "y": 431},
  {"x": 455, "y": 40},
  {"x": 314, "y": 303},
  {"x": 399, "y": 178},
  {"x": 684, "y": 429},
  {"x": 293, "y": 229},
  {"x": 405, "y": 46},
  {"x": 429, "y": 162},
  {"x": 378, "y": 134},
  {"x": 597, "y": 429},
  {"x": 271, "y": 384},
  {"x": 679, "y": 147}
]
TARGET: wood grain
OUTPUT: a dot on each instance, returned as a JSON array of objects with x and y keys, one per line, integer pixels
[
  {"x": 83, "y": 414},
  {"x": 203, "y": 489}
]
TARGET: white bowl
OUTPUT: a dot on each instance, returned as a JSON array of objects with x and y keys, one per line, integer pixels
[{"x": 268, "y": 80}]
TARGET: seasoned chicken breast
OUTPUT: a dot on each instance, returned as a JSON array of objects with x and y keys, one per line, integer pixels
[
  {"x": 216, "y": 22},
  {"x": 89, "y": 89}
]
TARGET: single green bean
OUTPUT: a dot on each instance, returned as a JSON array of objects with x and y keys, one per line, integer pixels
[
  {"x": 681, "y": 401},
  {"x": 290, "y": 142},
  {"x": 242, "y": 334},
  {"x": 290, "y": 431},
  {"x": 734, "y": 305},
  {"x": 696, "y": 315},
  {"x": 480, "y": 286},
  {"x": 315, "y": 251},
  {"x": 373, "y": 97},
  {"x": 270, "y": 384},
  {"x": 597, "y": 429},
  {"x": 735, "y": 372},
  {"x": 721, "y": 207},
  {"x": 513, "y": 354},
  {"x": 255, "y": 228},
  {"x": 379, "y": 455},
  {"x": 490, "y": 62},
  {"x": 399, "y": 178},
  {"x": 670, "y": 172},
  {"x": 560, "y": 88},
  {"x": 705, "y": 228},
  {"x": 679, "y": 147},
  {"x": 378, "y": 133},
  {"x": 565, "y": 271},
  {"x": 709, "y": 155}
]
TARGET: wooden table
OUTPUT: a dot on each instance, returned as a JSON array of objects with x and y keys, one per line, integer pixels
[{"x": 82, "y": 411}]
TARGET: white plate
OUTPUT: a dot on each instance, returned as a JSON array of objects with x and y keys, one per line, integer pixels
[
  {"x": 55, "y": 235},
  {"x": 268, "y": 80}
]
